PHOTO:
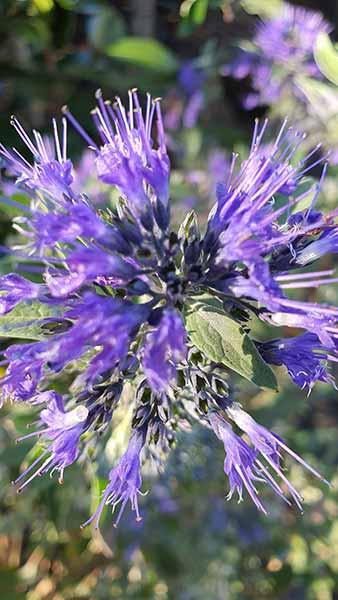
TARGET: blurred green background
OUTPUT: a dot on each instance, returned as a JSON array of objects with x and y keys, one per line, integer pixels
[{"x": 191, "y": 544}]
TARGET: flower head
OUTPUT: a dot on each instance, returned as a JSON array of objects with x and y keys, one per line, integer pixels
[
  {"x": 119, "y": 288},
  {"x": 291, "y": 35},
  {"x": 283, "y": 47},
  {"x": 51, "y": 170},
  {"x": 127, "y": 157}
]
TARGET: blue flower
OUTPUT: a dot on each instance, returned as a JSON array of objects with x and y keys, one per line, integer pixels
[
  {"x": 85, "y": 265},
  {"x": 16, "y": 290},
  {"x": 165, "y": 347},
  {"x": 51, "y": 171},
  {"x": 61, "y": 430},
  {"x": 128, "y": 158},
  {"x": 303, "y": 356},
  {"x": 245, "y": 465},
  {"x": 291, "y": 36},
  {"x": 240, "y": 464},
  {"x": 283, "y": 47},
  {"x": 327, "y": 243},
  {"x": 22, "y": 378},
  {"x": 125, "y": 481},
  {"x": 118, "y": 284}
]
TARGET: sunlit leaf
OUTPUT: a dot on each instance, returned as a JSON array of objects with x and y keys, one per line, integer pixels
[
  {"x": 145, "y": 52},
  {"x": 326, "y": 57},
  {"x": 43, "y": 6},
  {"x": 222, "y": 340},
  {"x": 26, "y": 321},
  {"x": 262, "y": 8}
]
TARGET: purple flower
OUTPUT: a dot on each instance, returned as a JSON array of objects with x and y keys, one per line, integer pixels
[
  {"x": 61, "y": 430},
  {"x": 291, "y": 36},
  {"x": 269, "y": 445},
  {"x": 244, "y": 209},
  {"x": 282, "y": 48},
  {"x": 258, "y": 285},
  {"x": 18, "y": 290},
  {"x": 124, "y": 482},
  {"x": 327, "y": 243},
  {"x": 86, "y": 265},
  {"x": 51, "y": 171},
  {"x": 246, "y": 465},
  {"x": 128, "y": 158},
  {"x": 106, "y": 325},
  {"x": 119, "y": 284},
  {"x": 21, "y": 380},
  {"x": 303, "y": 356},
  {"x": 68, "y": 223},
  {"x": 240, "y": 464},
  {"x": 164, "y": 348},
  {"x": 186, "y": 100},
  {"x": 243, "y": 228}
]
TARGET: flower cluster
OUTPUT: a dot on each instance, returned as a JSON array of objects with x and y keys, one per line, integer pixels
[
  {"x": 118, "y": 289},
  {"x": 282, "y": 49}
]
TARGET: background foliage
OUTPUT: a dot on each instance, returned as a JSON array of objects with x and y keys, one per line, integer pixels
[{"x": 191, "y": 545}]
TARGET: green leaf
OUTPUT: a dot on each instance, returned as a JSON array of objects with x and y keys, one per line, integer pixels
[
  {"x": 13, "y": 210},
  {"x": 222, "y": 340},
  {"x": 105, "y": 27},
  {"x": 26, "y": 320},
  {"x": 98, "y": 485},
  {"x": 145, "y": 52},
  {"x": 196, "y": 10},
  {"x": 189, "y": 228},
  {"x": 306, "y": 189},
  {"x": 326, "y": 57},
  {"x": 193, "y": 139},
  {"x": 43, "y": 6},
  {"x": 262, "y": 8}
]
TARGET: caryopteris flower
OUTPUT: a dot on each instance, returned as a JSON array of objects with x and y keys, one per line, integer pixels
[
  {"x": 258, "y": 463},
  {"x": 124, "y": 481},
  {"x": 125, "y": 301},
  {"x": 186, "y": 100},
  {"x": 304, "y": 357},
  {"x": 282, "y": 49},
  {"x": 62, "y": 430}
]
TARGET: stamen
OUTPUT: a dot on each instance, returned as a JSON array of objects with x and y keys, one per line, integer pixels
[
  {"x": 22, "y": 133},
  {"x": 57, "y": 141},
  {"x": 78, "y": 128}
]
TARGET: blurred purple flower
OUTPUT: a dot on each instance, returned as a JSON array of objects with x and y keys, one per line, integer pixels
[
  {"x": 282, "y": 49},
  {"x": 186, "y": 100}
]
